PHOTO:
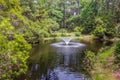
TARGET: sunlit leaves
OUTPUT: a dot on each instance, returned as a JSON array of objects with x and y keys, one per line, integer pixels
[
  {"x": 14, "y": 50},
  {"x": 117, "y": 52},
  {"x": 5, "y": 25},
  {"x": 14, "y": 56}
]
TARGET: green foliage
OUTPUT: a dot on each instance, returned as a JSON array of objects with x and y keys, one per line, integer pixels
[
  {"x": 77, "y": 33},
  {"x": 73, "y": 21},
  {"x": 104, "y": 54},
  {"x": 102, "y": 77},
  {"x": 63, "y": 34},
  {"x": 78, "y": 29},
  {"x": 89, "y": 60},
  {"x": 56, "y": 15},
  {"x": 100, "y": 28},
  {"x": 63, "y": 31},
  {"x": 88, "y": 16},
  {"x": 40, "y": 24},
  {"x": 103, "y": 27},
  {"x": 117, "y": 30},
  {"x": 55, "y": 35},
  {"x": 42, "y": 28},
  {"x": 117, "y": 52},
  {"x": 97, "y": 63},
  {"x": 14, "y": 51},
  {"x": 36, "y": 19}
]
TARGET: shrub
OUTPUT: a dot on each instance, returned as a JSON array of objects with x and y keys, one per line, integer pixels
[
  {"x": 118, "y": 30},
  {"x": 14, "y": 52},
  {"x": 63, "y": 31},
  {"x": 89, "y": 60},
  {"x": 103, "y": 27},
  {"x": 117, "y": 52},
  {"x": 44, "y": 34},
  {"x": 63, "y": 34},
  {"x": 55, "y": 35},
  {"x": 13, "y": 57},
  {"x": 77, "y": 33},
  {"x": 78, "y": 29},
  {"x": 99, "y": 31}
]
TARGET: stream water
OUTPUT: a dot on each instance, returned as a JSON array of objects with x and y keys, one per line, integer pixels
[{"x": 48, "y": 62}]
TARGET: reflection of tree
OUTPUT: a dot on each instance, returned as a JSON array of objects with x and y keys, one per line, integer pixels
[
  {"x": 41, "y": 63},
  {"x": 42, "y": 73},
  {"x": 45, "y": 64}
]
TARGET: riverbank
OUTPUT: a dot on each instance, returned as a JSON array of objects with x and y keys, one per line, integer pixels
[
  {"x": 101, "y": 63},
  {"x": 57, "y": 36},
  {"x": 104, "y": 66},
  {"x": 82, "y": 37}
]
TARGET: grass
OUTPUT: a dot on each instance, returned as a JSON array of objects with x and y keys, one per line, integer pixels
[
  {"x": 102, "y": 73},
  {"x": 105, "y": 53},
  {"x": 103, "y": 67}
]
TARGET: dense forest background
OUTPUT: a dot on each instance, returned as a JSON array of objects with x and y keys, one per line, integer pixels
[{"x": 25, "y": 21}]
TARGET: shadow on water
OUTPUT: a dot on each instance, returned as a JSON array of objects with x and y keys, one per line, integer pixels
[{"x": 48, "y": 62}]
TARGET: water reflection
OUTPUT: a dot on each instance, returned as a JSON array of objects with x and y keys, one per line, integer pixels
[
  {"x": 56, "y": 63},
  {"x": 69, "y": 61},
  {"x": 68, "y": 55}
]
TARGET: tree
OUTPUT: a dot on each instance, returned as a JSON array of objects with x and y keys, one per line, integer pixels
[{"x": 14, "y": 50}]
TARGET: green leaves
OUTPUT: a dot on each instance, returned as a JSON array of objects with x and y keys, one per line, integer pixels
[
  {"x": 5, "y": 25},
  {"x": 104, "y": 27},
  {"x": 13, "y": 55},
  {"x": 117, "y": 52},
  {"x": 14, "y": 50}
]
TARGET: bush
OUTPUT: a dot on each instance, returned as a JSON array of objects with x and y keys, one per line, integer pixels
[
  {"x": 78, "y": 29},
  {"x": 63, "y": 34},
  {"x": 77, "y": 33},
  {"x": 96, "y": 63},
  {"x": 117, "y": 52},
  {"x": 14, "y": 52},
  {"x": 55, "y": 35},
  {"x": 103, "y": 28},
  {"x": 44, "y": 34},
  {"x": 89, "y": 60},
  {"x": 118, "y": 30},
  {"x": 99, "y": 31},
  {"x": 63, "y": 31},
  {"x": 13, "y": 57}
]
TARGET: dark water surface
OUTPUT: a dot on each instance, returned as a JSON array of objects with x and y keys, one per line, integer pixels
[{"x": 48, "y": 62}]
